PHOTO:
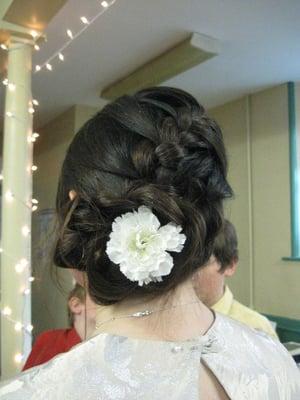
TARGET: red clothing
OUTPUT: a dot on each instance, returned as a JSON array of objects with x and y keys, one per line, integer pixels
[{"x": 51, "y": 343}]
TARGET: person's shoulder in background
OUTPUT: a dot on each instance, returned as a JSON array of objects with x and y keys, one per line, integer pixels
[
  {"x": 251, "y": 318},
  {"x": 50, "y": 343},
  {"x": 228, "y": 306}
]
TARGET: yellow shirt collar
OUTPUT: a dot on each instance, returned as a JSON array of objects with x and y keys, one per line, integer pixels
[{"x": 223, "y": 306}]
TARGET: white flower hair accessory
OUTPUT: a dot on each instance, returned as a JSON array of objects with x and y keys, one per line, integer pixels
[{"x": 140, "y": 246}]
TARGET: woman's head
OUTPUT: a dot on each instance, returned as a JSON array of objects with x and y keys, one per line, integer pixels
[{"x": 157, "y": 149}]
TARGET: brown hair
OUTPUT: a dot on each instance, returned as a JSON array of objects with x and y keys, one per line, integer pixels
[
  {"x": 157, "y": 148},
  {"x": 226, "y": 246}
]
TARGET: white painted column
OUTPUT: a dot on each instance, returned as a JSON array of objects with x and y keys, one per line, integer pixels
[{"x": 16, "y": 211}]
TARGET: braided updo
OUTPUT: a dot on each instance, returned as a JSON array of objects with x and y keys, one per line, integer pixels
[{"x": 156, "y": 148}]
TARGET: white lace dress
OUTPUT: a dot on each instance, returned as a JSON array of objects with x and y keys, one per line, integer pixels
[{"x": 248, "y": 364}]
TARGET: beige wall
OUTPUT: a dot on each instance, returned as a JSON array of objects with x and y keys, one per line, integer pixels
[
  {"x": 49, "y": 152},
  {"x": 257, "y": 138},
  {"x": 276, "y": 281},
  {"x": 49, "y": 302},
  {"x": 82, "y": 114}
]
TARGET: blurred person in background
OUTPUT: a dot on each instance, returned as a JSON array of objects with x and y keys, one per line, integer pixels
[
  {"x": 211, "y": 287},
  {"x": 81, "y": 315}
]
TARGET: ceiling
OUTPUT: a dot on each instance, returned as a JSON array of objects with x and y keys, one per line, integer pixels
[{"x": 260, "y": 48}]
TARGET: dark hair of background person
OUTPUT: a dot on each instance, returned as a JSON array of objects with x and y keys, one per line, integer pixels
[
  {"x": 226, "y": 246},
  {"x": 79, "y": 292},
  {"x": 157, "y": 148}
]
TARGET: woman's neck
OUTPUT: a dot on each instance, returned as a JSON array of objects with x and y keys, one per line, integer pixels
[
  {"x": 84, "y": 328},
  {"x": 179, "y": 315}
]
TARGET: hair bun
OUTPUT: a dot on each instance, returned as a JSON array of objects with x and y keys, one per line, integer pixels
[
  {"x": 157, "y": 149},
  {"x": 169, "y": 155}
]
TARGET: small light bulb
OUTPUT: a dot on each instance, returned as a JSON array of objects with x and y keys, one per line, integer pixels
[
  {"x": 61, "y": 57},
  {"x": 31, "y": 110},
  {"x": 29, "y": 328},
  {"x": 104, "y": 4},
  {"x": 26, "y": 292},
  {"x": 18, "y": 358},
  {"x": 32, "y": 138},
  {"x": 11, "y": 87},
  {"x": 19, "y": 268},
  {"x": 35, "y": 102},
  {"x": 36, "y": 47},
  {"x": 5, "y": 82},
  {"x": 9, "y": 114},
  {"x": 70, "y": 34},
  {"x": 9, "y": 196},
  {"x": 37, "y": 67},
  {"x": 21, "y": 265},
  {"x": 31, "y": 279},
  {"x": 34, "y": 168},
  {"x": 84, "y": 20},
  {"x": 34, "y": 34},
  {"x": 34, "y": 203},
  {"x": 18, "y": 326},
  {"x": 3, "y": 46},
  {"x": 6, "y": 311},
  {"x": 49, "y": 67},
  {"x": 25, "y": 231},
  {"x": 1, "y": 177},
  {"x": 1, "y": 250},
  {"x": 24, "y": 262}
]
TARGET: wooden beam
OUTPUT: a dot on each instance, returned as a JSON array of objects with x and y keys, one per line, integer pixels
[
  {"x": 192, "y": 51},
  {"x": 33, "y": 14}
]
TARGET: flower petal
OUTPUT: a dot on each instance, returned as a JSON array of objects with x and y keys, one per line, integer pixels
[{"x": 139, "y": 245}]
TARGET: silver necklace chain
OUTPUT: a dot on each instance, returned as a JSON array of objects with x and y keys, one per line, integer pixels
[{"x": 144, "y": 313}]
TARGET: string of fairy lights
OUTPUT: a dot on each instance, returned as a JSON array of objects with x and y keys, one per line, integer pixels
[{"x": 23, "y": 265}]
